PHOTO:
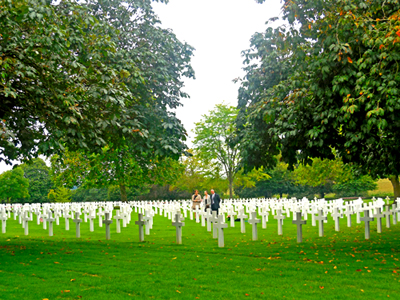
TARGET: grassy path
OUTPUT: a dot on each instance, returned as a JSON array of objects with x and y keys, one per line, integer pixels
[{"x": 342, "y": 265}]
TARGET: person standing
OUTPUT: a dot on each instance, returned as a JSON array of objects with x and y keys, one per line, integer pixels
[
  {"x": 215, "y": 200},
  {"x": 207, "y": 200},
  {"x": 196, "y": 200}
]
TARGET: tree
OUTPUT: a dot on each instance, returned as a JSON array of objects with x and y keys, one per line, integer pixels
[
  {"x": 280, "y": 181},
  {"x": 57, "y": 87},
  {"x": 89, "y": 195},
  {"x": 60, "y": 194},
  {"x": 149, "y": 135},
  {"x": 327, "y": 79},
  {"x": 328, "y": 176},
  {"x": 107, "y": 77},
  {"x": 321, "y": 174},
  {"x": 13, "y": 185},
  {"x": 105, "y": 170},
  {"x": 37, "y": 172},
  {"x": 215, "y": 142},
  {"x": 355, "y": 186}
]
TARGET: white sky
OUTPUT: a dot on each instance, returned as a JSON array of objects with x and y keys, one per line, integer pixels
[{"x": 219, "y": 30}]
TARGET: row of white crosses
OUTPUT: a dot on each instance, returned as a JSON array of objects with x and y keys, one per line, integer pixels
[
  {"x": 318, "y": 208},
  {"x": 49, "y": 213}
]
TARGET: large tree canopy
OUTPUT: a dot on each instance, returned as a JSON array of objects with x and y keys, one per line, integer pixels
[
  {"x": 90, "y": 75},
  {"x": 13, "y": 185},
  {"x": 56, "y": 86},
  {"x": 40, "y": 184},
  {"x": 327, "y": 79}
]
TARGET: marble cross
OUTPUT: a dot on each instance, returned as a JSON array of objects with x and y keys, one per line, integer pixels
[
  {"x": 197, "y": 213},
  {"x": 92, "y": 216},
  {"x": 78, "y": 221},
  {"x": 220, "y": 226},
  {"x": 321, "y": 218},
  {"x": 254, "y": 221},
  {"x": 367, "y": 219},
  {"x": 208, "y": 215},
  {"x": 44, "y": 217},
  {"x": 387, "y": 212},
  {"x": 280, "y": 219},
  {"x": 50, "y": 219},
  {"x": 394, "y": 210},
  {"x": 348, "y": 214},
  {"x": 66, "y": 218},
  {"x": 378, "y": 217},
  {"x": 203, "y": 218},
  {"x": 100, "y": 214},
  {"x": 117, "y": 218},
  {"x": 232, "y": 214},
  {"x": 140, "y": 222},
  {"x": 264, "y": 217},
  {"x": 214, "y": 219},
  {"x": 107, "y": 221},
  {"x": 178, "y": 224},
  {"x": 3, "y": 218},
  {"x": 25, "y": 221},
  {"x": 336, "y": 215},
  {"x": 147, "y": 219},
  {"x": 314, "y": 211},
  {"x": 242, "y": 216},
  {"x": 299, "y": 222}
]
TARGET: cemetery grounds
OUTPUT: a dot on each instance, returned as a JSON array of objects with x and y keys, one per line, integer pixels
[{"x": 340, "y": 265}]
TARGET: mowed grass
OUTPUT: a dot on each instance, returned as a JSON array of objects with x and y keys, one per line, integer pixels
[{"x": 341, "y": 265}]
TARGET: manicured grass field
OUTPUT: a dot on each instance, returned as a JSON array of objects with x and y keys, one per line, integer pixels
[{"x": 341, "y": 265}]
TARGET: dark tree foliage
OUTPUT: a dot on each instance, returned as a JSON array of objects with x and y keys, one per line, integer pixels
[
  {"x": 327, "y": 79},
  {"x": 40, "y": 183}
]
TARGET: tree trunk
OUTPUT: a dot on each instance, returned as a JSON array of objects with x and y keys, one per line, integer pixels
[
  {"x": 122, "y": 189},
  {"x": 230, "y": 188},
  {"x": 394, "y": 179}
]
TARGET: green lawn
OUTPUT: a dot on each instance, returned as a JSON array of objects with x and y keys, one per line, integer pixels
[{"x": 339, "y": 266}]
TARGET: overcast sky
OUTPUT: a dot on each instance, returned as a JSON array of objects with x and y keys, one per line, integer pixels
[{"x": 219, "y": 30}]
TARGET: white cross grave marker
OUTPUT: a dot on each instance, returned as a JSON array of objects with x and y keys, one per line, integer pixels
[
  {"x": 25, "y": 221},
  {"x": 208, "y": 215},
  {"x": 336, "y": 215},
  {"x": 280, "y": 219},
  {"x": 140, "y": 222},
  {"x": 299, "y": 222},
  {"x": 254, "y": 221},
  {"x": 378, "y": 217},
  {"x": 100, "y": 214},
  {"x": 3, "y": 218},
  {"x": 387, "y": 214},
  {"x": 220, "y": 225},
  {"x": 367, "y": 219},
  {"x": 117, "y": 218},
  {"x": 107, "y": 221},
  {"x": 78, "y": 221},
  {"x": 50, "y": 219},
  {"x": 92, "y": 216},
  {"x": 348, "y": 214},
  {"x": 394, "y": 210},
  {"x": 321, "y": 218},
  {"x": 264, "y": 217},
  {"x": 178, "y": 224},
  {"x": 214, "y": 219},
  {"x": 242, "y": 216}
]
